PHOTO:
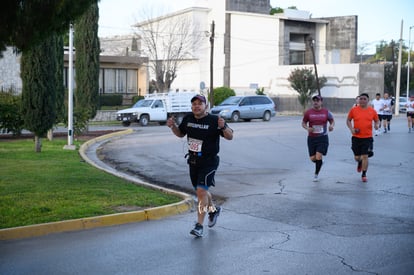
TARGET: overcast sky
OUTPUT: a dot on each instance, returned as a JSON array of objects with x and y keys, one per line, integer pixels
[{"x": 377, "y": 19}]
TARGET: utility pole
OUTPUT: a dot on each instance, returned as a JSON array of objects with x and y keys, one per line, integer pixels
[
  {"x": 312, "y": 43},
  {"x": 70, "y": 145},
  {"x": 211, "y": 64},
  {"x": 408, "y": 62},
  {"x": 397, "y": 91}
]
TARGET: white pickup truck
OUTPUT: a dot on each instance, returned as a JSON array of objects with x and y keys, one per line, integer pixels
[{"x": 157, "y": 107}]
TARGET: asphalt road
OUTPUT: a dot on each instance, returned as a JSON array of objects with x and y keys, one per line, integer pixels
[{"x": 275, "y": 220}]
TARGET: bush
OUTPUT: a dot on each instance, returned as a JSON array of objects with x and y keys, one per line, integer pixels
[
  {"x": 260, "y": 91},
  {"x": 11, "y": 119},
  {"x": 110, "y": 100},
  {"x": 221, "y": 93}
]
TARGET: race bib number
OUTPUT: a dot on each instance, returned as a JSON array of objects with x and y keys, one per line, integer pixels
[
  {"x": 194, "y": 145},
  {"x": 317, "y": 129}
]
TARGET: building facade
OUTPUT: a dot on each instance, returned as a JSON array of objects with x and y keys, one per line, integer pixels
[
  {"x": 254, "y": 49},
  {"x": 251, "y": 49},
  {"x": 122, "y": 69}
]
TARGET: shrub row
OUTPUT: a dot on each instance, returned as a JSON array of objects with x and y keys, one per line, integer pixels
[{"x": 11, "y": 120}]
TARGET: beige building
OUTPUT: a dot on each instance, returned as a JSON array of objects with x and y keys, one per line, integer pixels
[{"x": 122, "y": 70}]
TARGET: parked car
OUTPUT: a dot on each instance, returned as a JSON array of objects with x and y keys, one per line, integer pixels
[
  {"x": 157, "y": 107},
  {"x": 402, "y": 108},
  {"x": 246, "y": 108}
]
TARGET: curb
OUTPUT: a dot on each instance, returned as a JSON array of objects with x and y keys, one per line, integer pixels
[{"x": 154, "y": 213}]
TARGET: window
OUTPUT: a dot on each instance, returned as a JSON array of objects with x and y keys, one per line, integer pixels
[
  {"x": 246, "y": 101},
  {"x": 132, "y": 81},
  {"x": 296, "y": 58},
  {"x": 259, "y": 100},
  {"x": 158, "y": 104},
  {"x": 118, "y": 81},
  {"x": 109, "y": 78}
]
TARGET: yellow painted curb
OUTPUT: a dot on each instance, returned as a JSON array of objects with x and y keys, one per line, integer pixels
[
  {"x": 93, "y": 222},
  {"x": 107, "y": 220}
]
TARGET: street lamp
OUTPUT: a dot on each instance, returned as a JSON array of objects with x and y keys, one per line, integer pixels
[{"x": 408, "y": 65}]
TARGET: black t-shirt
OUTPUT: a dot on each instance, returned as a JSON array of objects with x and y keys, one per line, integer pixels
[{"x": 206, "y": 130}]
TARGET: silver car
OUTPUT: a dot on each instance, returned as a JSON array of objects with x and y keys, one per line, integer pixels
[{"x": 246, "y": 108}]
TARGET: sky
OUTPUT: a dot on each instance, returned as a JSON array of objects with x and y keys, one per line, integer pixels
[{"x": 377, "y": 19}]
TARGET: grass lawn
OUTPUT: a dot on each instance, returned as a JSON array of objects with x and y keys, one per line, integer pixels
[{"x": 57, "y": 184}]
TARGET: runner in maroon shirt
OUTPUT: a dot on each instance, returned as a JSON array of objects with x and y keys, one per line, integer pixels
[{"x": 315, "y": 121}]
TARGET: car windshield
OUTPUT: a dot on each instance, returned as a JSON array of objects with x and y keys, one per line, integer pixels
[
  {"x": 233, "y": 100},
  {"x": 403, "y": 99},
  {"x": 143, "y": 103}
]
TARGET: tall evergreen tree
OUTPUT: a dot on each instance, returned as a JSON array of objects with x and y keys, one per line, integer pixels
[
  {"x": 59, "y": 87},
  {"x": 87, "y": 65},
  {"x": 38, "y": 73}
]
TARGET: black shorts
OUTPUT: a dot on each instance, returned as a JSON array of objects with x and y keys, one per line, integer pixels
[
  {"x": 318, "y": 144},
  {"x": 202, "y": 174},
  {"x": 362, "y": 146},
  {"x": 387, "y": 117},
  {"x": 410, "y": 114}
]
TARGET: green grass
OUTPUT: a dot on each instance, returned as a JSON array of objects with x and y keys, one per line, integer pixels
[
  {"x": 104, "y": 123},
  {"x": 57, "y": 185},
  {"x": 113, "y": 108}
]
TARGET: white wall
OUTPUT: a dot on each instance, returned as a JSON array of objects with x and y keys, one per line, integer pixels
[
  {"x": 254, "y": 49},
  {"x": 10, "y": 70},
  {"x": 343, "y": 80},
  {"x": 255, "y": 57}
]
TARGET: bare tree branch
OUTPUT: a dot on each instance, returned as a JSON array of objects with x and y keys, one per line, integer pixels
[{"x": 168, "y": 42}]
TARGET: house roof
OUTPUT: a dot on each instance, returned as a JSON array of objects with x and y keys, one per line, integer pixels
[{"x": 117, "y": 61}]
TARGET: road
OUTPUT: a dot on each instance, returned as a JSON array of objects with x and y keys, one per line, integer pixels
[{"x": 275, "y": 220}]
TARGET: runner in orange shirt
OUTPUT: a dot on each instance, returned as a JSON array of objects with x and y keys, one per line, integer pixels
[{"x": 359, "y": 122}]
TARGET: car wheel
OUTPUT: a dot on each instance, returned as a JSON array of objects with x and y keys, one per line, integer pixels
[
  {"x": 266, "y": 116},
  {"x": 126, "y": 123},
  {"x": 143, "y": 120},
  {"x": 235, "y": 116}
]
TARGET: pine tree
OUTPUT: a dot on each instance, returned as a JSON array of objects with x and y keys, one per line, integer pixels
[
  {"x": 38, "y": 73},
  {"x": 59, "y": 87},
  {"x": 87, "y": 65}
]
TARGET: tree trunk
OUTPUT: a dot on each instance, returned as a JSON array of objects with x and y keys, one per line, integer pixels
[
  {"x": 50, "y": 135},
  {"x": 38, "y": 144}
]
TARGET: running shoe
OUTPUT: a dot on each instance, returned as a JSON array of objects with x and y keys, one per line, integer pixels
[
  {"x": 364, "y": 179},
  {"x": 212, "y": 216},
  {"x": 359, "y": 167},
  {"x": 315, "y": 178},
  {"x": 197, "y": 231}
]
